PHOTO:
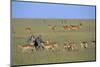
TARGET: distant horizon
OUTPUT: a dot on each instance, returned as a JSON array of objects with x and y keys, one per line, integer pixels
[
  {"x": 54, "y": 18},
  {"x": 32, "y": 10}
]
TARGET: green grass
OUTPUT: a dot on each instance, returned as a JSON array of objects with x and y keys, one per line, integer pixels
[{"x": 40, "y": 26}]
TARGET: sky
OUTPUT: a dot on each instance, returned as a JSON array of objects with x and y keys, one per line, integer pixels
[{"x": 51, "y": 11}]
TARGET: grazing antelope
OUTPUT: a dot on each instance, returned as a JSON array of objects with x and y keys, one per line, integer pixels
[
  {"x": 69, "y": 45},
  {"x": 72, "y": 27},
  {"x": 50, "y": 45},
  {"x": 26, "y": 48},
  {"x": 76, "y": 27},
  {"x": 53, "y": 28},
  {"x": 28, "y": 29},
  {"x": 84, "y": 44},
  {"x": 66, "y": 27},
  {"x": 93, "y": 42},
  {"x": 49, "y": 25},
  {"x": 66, "y": 45}
]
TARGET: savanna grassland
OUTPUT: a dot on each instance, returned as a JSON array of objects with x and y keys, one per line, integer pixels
[{"x": 19, "y": 36}]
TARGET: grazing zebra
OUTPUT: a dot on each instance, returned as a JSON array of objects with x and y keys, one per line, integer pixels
[
  {"x": 36, "y": 41},
  {"x": 31, "y": 40}
]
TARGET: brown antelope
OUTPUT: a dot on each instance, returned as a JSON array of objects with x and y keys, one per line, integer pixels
[
  {"x": 53, "y": 28},
  {"x": 93, "y": 42},
  {"x": 66, "y": 27},
  {"x": 50, "y": 45},
  {"x": 28, "y": 29},
  {"x": 84, "y": 44},
  {"x": 69, "y": 45},
  {"x": 26, "y": 48},
  {"x": 49, "y": 25},
  {"x": 76, "y": 27},
  {"x": 72, "y": 27}
]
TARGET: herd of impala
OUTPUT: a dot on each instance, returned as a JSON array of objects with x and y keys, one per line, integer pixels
[
  {"x": 67, "y": 45},
  {"x": 54, "y": 27},
  {"x": 53, "y": 46},
  {"x": 72, "y": 27}
]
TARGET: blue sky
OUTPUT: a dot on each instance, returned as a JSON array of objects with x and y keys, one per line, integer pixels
[{"x": 51, "y": 11}]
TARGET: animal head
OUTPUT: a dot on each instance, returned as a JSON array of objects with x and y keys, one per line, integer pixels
[
  {"x": 81, "y": 24},
  {"x": 55, "y": 45},
  {"x": 47, "y": 42}
]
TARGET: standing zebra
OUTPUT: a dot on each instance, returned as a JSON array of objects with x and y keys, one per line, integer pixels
[
  {"x": 39, "y": 42},
  {"x": 31, "y": 40}
]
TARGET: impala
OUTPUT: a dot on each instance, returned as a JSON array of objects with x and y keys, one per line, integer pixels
[
  {"x": 84, "y": 44},
  {"x": 26, "y": 48}
]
